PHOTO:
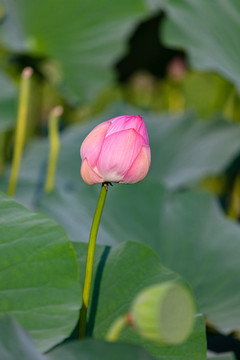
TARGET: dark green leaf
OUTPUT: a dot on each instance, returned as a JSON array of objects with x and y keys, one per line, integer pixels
[
  {"x": 200, "y": 243},
  {"x": 185, "y": 149},
  {"x": 187, "y": 229},
  {"x": 15, "y": 344},
  {"x": 98, "y": 350},
  {"x": 120, "y": 273},
  {"x": 39, "y": 281},
  {"x": 141, "y": 212}
]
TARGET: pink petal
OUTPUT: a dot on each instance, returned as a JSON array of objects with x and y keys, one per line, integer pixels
[
  {"x": 118, "y": 152},
  {"x": 89, "y": 175},
  {"x": 143, "y": 131},
  {"x": 139, "y": 168},
  {"x": 92, "y": 144},
  {"x": 125, "y": 122}
]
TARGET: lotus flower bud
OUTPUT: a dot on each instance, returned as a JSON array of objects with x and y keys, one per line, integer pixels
[
  {"x": 116, "y": 150},
  {"x": 164, "y": 313}
]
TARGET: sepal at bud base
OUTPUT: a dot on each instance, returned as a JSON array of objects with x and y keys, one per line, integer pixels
[{"x": 164, "y": 313}]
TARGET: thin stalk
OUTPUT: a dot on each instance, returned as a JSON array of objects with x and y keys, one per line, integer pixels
[
  {"x": 234, "y": 204},
  {"x": 117, "y": 327},
  {"x": 90, "y": 258},
  {"x": 20, "y": 128},
  {"x": 54, "y": 147}
]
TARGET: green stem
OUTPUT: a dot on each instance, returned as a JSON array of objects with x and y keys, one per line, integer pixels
[
  {"x": 54, "y": 147},
  {"x": 21, "y": 128},
  {"x": 116, "y": 328},
  {"x": 90, "y": 258}
]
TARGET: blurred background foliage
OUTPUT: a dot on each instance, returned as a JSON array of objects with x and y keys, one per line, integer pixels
[
  {"x": 177, "y": 64},
  {"x": 161, "y": 56}
]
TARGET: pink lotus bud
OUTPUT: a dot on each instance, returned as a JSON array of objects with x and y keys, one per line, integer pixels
[{"x": 116, "y": 150}]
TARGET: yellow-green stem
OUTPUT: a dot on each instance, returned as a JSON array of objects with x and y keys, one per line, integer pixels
[
  {"x": 233, "y": 210},
  {"x": 116, "y": 328},
  {"x": 20, "y": 128},
  {"x": 54, "y": 147},
  {"x": 90, "y": 258}
]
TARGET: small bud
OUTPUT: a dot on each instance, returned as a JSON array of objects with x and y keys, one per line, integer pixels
[
  {"x": 27, "y": 72},
  {"x": 164, "y": 313},
  {"x": 116, "y": 150},
  {"x": 57, "y": 111},
  {"x": 177, "y": 69}
]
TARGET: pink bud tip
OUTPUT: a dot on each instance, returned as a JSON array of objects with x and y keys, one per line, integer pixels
[
  {"x": 57, "y": 111},
  {"x": 27, "y": 72},
  {"x": 116, "y": 150}
]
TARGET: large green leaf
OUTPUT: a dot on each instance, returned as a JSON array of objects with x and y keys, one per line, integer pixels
[
  {"x": 98, "y": 350},
  {"x": 199, "y": 242},
  {"x": 185, "y": 149},
  {"x": 120, "y": 273},
  {"x": 15, "y": 344},
  {"x": 187, "y": 229},
  {"x": 191, "y": 235},
  {"x": 84, "y": 38},
  {"x": 134, "y": 212},
  {"x": 208, "y": 31},
  {"x": 39, "y": 281}
]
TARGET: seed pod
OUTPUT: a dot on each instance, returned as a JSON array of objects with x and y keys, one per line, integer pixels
[{"x": 164, "y": 313}]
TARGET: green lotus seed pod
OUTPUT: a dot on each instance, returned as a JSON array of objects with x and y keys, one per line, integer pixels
[{"x": 164, "y": 313}]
